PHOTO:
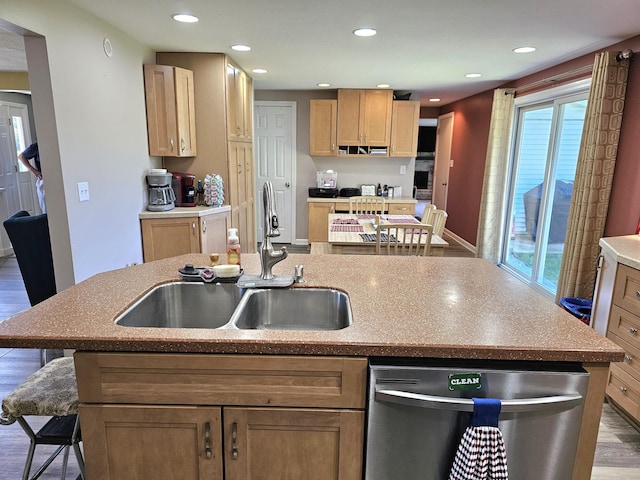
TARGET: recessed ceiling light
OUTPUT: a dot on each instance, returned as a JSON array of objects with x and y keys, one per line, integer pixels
[
  {"x": 259, "y": 70},
  {"x": 383, "y": 85},
  {"x": 184, "y": 18},
  {"x": 324, "y": 85},
  {"x": 524, "y": 49},
  {"x": 473, "y": 75},
  {"x": 241, "y": 48},
  {"x": 434, "y": 99},
  {"x": 365, "y": 32}
]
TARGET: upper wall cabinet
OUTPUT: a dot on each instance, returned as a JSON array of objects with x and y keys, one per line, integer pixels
[
  {"x": 239, "y": 103},
  {"x": 364, "y": 118},
  {"x": 404, "y": 128},
  {"x": 171, "y": 120},
  {"x": 322, "y": 131}
]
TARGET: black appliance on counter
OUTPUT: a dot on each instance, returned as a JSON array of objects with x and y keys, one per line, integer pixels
[
  {"x": 349, "y": 192},
  {"x": 318, "y": 192}
]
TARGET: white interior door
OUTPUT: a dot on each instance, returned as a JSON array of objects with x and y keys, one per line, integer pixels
[
  {"x": 9, "y": 199},
  {"x": 26, "y": 180},
  {"x": 274, "y": 153},
  {"x": 443, "y": 161}
]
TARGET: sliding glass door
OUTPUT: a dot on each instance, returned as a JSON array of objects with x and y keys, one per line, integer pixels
[{"x": 544, "y": 163}]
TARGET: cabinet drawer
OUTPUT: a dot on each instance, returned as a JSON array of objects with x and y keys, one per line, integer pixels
[
  {"x": 631, "y": 362},
  {"x": 626, "y": 293},
  {"x": 624, "y": 390},
  {"x": 402, "y": 208},
  {"x": 624, "y": 325},
  {"x": 200, "y": 379}
]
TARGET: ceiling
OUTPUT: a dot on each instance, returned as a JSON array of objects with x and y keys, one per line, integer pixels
[{"x": 423, "y": 46}]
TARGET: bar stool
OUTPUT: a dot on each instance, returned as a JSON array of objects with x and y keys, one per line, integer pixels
[{"x": 51, "y": 391}]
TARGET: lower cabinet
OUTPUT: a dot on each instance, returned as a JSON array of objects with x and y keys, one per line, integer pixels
[
  {"x": 233, "y": 417},
  {"x": 172, "y": 236}
]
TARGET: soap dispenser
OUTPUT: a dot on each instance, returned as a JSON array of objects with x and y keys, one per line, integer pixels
[{"x": 233, "y": 247}]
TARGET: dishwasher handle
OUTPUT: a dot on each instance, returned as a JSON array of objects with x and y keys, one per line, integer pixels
[{"x": 466, "y": 404}]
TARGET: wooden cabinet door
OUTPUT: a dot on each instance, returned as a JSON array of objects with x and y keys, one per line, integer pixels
[
  {"x": 163, "y": 443},
  {"x": 293, "y": 444},
  {"x": 319, "y": 221},
  {"x": 247, "y": 106},
  {"x": 322, "y": 127},
  {"x": 213, "y": 232},
  {"x": 168, "y": 237},
  {"x": 159, "y": 89},
  {"x": 404, "y": 128},
  {"x": 233, "y": 127},
  {"x": 377, "y": 118},
  {"x": 185, "y": 112},
  {"x": 350, "y": 117},
  {"x": 241, "y": 193}
]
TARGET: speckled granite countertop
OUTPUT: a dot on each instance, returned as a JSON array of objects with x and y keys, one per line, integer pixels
[
  {"x": 625, "y": 249},
  {"x": 403, "y": 307}
]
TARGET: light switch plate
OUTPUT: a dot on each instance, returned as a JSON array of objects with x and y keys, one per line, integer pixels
[
  {"x": 83, "y": 191},
  {"x": 403, "y": 169}
]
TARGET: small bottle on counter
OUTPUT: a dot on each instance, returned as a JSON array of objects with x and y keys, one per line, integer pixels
[
  {"x": 233, "y": 247},
  {"x": 379, "y": 191}
]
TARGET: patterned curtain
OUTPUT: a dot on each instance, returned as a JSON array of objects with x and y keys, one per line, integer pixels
[
  {"x": 594, "y": 175},
  {"x": 492, "y": 204}
]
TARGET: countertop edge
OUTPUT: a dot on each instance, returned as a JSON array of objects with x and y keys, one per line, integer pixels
[{"x": 185, "y": 212}]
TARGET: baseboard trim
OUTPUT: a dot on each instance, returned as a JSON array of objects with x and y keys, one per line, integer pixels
[{"x": 461, "y": 241}]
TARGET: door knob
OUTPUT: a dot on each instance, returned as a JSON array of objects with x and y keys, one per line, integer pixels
[{"x": 287, "y": 184}]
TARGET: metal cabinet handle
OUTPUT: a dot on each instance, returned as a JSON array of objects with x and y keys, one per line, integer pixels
[
  {"x": 234, "y": 440},
  {"x": 623, "y": 390},
  {"x": 171, "y": 143},
  {"x": 183, "y": 145},
  {"x": 207, "y": 440},
  {"x": 628, "y": 358},
  {"x": 333, "y": 147},
  {"x": 466, "y": 404},
  {"x": 633, "y": 331},
  {"x": 204, "y": 226},
  {"x": 638, "y": 293},
  {"x": 193, "y": 227}
]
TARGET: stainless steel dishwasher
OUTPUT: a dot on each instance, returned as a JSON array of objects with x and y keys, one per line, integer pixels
[{"x": 419, "y": 412}]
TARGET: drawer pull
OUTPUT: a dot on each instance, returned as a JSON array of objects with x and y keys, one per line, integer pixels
[
  {"x": 638, "y": 293},
  {"x": 633, "y": 331},
  {"x": 628, "y": 358},
  {"x": 623, "y": 390},
  {"x": 234, "y": 440},
  {"x": 207, "y": 440}
]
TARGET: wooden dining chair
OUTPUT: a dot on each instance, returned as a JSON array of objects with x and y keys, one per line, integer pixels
[
  {"x": 404, "y": 239},
  {"x": 366, "y": 204},
  {"x": 438, "y": 220},
  {"x": 427, "y": 215}
]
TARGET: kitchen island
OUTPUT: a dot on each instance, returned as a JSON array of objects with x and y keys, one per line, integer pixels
[{"x": 443, "y": 308}]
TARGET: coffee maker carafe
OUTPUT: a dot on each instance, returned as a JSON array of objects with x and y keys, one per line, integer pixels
[{"x": 161, "y": 196}]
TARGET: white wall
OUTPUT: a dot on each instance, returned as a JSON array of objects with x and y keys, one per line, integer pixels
[{"x": 90, "y": 119}]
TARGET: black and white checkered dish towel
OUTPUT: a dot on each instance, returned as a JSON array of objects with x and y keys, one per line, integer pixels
[{"x": 481, "y": 454}]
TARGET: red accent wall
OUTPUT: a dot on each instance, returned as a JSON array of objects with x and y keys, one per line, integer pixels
[{"x": 469, "y": 150}]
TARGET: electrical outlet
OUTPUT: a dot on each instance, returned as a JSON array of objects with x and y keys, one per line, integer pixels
[
  {"x": 83, "y": 191},
  {"x": 403, "y": 169}
]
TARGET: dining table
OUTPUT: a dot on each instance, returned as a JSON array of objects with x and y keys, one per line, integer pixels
[{"x": 356, "y": 233}]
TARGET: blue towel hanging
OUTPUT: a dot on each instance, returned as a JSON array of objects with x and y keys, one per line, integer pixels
[{"x": 481, "y": 454}]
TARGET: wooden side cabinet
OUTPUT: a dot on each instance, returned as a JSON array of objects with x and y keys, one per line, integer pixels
[
  {"x": 172, "y": 236},
  {"x": 322, "y": 128},
  {"x": 169, "y": 94},
  {"x": 319, "y": 221},
  {"x": 293, "y": 418},
  {"x": 404, "y": 128}
]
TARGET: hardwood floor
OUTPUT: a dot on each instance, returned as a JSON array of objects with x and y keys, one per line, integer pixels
[{"x": 617, "y": 452}]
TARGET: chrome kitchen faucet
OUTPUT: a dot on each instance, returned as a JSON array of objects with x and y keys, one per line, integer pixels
[{"x": 269, "y": 257}]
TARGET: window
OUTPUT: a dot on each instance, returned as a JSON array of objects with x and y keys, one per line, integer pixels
[{"x": 543, "y": 165}]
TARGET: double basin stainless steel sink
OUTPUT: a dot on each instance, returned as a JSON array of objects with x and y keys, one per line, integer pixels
[{"x": 226, "y": 306}]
